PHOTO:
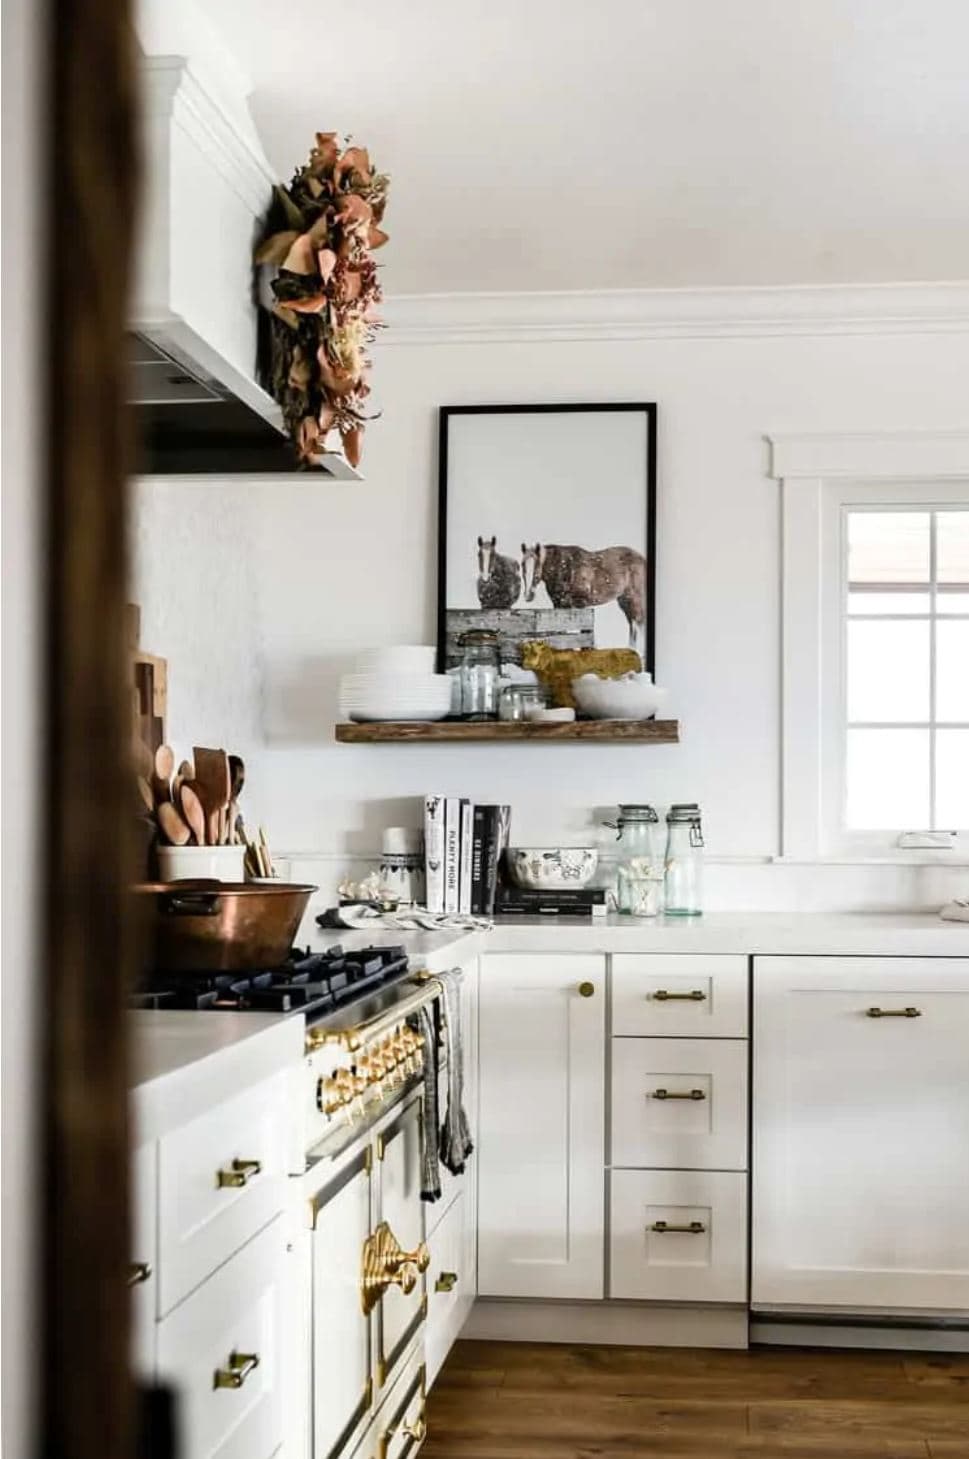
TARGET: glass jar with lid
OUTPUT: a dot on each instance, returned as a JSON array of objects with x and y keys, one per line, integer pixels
[
  {"x": 480, "y": 673},
  {"x": 639, "y": 867},
  {"x": 684, "y": 860},
  {"x": 516, "y": 700}
]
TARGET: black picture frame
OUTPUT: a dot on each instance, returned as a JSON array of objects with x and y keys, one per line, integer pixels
[{"x": 647, "y": 408}]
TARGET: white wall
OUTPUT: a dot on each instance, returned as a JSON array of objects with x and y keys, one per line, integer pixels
[{"x": 338, "y": 566}]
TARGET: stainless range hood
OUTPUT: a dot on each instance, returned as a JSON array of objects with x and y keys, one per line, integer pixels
[
  {"x": 188, "y": 422},
  {"x": 193, "y": 340}
]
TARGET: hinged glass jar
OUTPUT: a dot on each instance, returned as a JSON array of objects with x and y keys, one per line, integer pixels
[
  {"x": 480, "y": 673},
  {"x": 684, "y": 860},
  {"x": 639, "y": 868}
]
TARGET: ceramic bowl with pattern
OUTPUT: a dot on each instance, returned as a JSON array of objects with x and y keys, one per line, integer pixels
[{"x": 551, "y": 868}]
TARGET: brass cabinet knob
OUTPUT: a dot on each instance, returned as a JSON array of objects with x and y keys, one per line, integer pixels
[
  {"x": 240, "y": 1172},
  {"x": 239, "y": 1366},
  {"x": 586, "y": 990},
  {"x": 138, "y": 1272},
  {"x": 419, "y": 1257},
  {"x": 446, "y": 1282}
]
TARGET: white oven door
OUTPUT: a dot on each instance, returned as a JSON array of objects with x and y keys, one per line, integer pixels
[{"x": 399, "y": 1313}]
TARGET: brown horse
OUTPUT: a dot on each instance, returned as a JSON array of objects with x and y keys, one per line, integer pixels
[
  {"x": 575, "y": 577},
  {"x": 499, "y": 578}
]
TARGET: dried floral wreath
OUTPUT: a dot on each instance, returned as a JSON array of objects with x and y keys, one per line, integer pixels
[{"x": 320, "y": 233}]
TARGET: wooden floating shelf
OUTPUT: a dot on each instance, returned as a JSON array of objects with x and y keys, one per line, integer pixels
[{"x": 456, "y": 731}]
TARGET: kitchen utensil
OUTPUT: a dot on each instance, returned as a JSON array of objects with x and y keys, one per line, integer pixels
[
  {"x": 634, "y": 696},
  {"x": 193, "y": 813},
  {"x": 189, "y": 863},
  {"x": 162, "y": 772},
  {"x": 264, "y": 852},
  {"x": 551, "y": 868},
  {"x": 213, "y": 787},
  {"x": 208, "y": 926},
  {"x": 237, "y": 776},
  {"x": 185, "y": 771},
  {"x": 172, "y": 824}
]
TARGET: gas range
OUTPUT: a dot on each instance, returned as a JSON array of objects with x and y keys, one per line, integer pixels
[{"x": 314, "y": 983}]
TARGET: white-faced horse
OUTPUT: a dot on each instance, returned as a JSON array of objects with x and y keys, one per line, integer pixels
[
  {"x": 575, "y": 577},
  {"x": 499, "y": 578}
]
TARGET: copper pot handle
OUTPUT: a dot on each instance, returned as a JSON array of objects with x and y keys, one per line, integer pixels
[{"x": 190, "y": 904}]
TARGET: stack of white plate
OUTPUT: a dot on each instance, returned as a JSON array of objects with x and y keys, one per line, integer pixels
[{"x": 397, "y": 683}]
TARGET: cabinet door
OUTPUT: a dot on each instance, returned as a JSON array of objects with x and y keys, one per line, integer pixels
[
  {"x": 221, "y": 1350},
  {"x": 342, "y": 1387},
  {"x": 861, "y": 1132},
  {"x": 142, "y": 1280},
  {"x": 542, "y": 1126},
  {"x": 399, "y": 1313}
]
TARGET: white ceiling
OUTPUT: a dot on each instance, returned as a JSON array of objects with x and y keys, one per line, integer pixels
[{"x": 613, "y": 144}]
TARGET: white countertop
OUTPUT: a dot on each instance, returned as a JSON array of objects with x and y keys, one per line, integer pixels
[
  {"x": 890, "y": 934},
  {"x": 184, "y": 1062}
]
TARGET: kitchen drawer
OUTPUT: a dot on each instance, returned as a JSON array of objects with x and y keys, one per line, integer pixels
[
  {"x": 401, "y": 1425},
  {"x": 142, "y": 1276},
  {"x": 220, "y": 1180},
  {"x": 649, "y": 1261},
  {"x": 447, "y": 1281},
  {"x": 679, "y": 1103},
  {"x": 679, "y": 996},
  {"x": 237, "y": 1315}
]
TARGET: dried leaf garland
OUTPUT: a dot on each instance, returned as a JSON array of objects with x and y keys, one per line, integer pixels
[{"x": 319, "y": 235}]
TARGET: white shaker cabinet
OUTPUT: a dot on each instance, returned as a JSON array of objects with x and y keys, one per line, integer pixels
[
  {"x": 861, "y": 1133},
  {"x": 542, "y": 1126}
]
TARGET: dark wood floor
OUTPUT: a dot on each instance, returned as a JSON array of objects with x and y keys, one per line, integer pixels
[{"x": 529, "y": 1401}]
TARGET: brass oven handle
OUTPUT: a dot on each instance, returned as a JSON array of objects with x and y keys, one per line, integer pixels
[
  {"x": 893, "y": 1012},
  {"x": 679, "y": 1094},
  {"x": 138, "y": 1272},
  {"x": 697, "y": 995},
  {"x": 239, "y": 1368},
  {"x": 663, "y": 1228},
  {"x": 446, "y": 1282},
  {"x": 384, "y": 1263},
  {"x": 240, "y": 1172}
]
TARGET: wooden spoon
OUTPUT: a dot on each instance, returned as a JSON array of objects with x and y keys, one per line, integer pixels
[
  {"x": 163, "y": 770},
  {"x": 193, "y": 813},
  {"x": 171, "y": 824},
  {"x": 185, "y": 771}
]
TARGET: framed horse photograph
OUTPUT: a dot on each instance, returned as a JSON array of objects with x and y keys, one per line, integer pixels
[{"x": 547, "y": 527}]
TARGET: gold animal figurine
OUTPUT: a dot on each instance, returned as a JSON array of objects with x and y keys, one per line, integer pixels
[{"x": 557, "y": 667}]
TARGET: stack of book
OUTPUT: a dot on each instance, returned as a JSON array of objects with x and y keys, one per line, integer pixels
[
  {"x": 463, "y": 847},
  {"x": 576, "y": 902}
]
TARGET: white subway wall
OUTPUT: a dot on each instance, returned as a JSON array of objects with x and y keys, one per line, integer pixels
[{"x": 332, "y": 567}]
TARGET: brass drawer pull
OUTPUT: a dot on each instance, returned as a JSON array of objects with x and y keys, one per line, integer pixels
[
  {"x": 893, "y": 1012},
  {"x": 446, "y": 1282},
  {"x": 696, "y": 996},
  {"x": 586, "y": 990},
  {"x": 663, "y": 1228},
  {"x": 240, "y": 1366},
  {"x": 138, "y": 1272},
  {"x": 240, "y": 1172},
  {"x": 415, "y": 1431},
  {"x": 679, "y": 1094}
]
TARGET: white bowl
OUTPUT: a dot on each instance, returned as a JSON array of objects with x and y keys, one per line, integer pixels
[
  {"x": 551, "y": 868},
  {"x": 634, "y": 696}
]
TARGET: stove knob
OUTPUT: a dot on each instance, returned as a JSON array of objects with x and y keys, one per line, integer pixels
[{"x": 328, "y": 1096}]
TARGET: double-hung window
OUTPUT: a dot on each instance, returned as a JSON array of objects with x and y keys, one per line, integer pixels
[{"x": 876, "y": 653}]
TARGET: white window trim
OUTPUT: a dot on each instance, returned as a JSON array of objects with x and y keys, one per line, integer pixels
[{"x": 817, "y": 475}]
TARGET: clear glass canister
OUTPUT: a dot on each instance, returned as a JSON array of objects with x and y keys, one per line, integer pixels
[
  {"x": 480, "y": 672},
  {"x": 684, "y": 861},
  {"x": 639, "y": 868}
]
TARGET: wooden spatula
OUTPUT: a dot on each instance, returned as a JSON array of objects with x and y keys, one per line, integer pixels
[
  {"x": 212, "y": 785},
  {"x": 193, "y": 813}
]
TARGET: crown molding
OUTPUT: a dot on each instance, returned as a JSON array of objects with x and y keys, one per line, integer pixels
[{"x": 738, "y": 313}]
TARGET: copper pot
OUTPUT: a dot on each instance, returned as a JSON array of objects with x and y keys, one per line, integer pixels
[{"x": 221, "y": 927}]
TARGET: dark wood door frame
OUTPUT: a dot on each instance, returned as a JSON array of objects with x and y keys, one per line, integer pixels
[{"x": 91, "y": 174}]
